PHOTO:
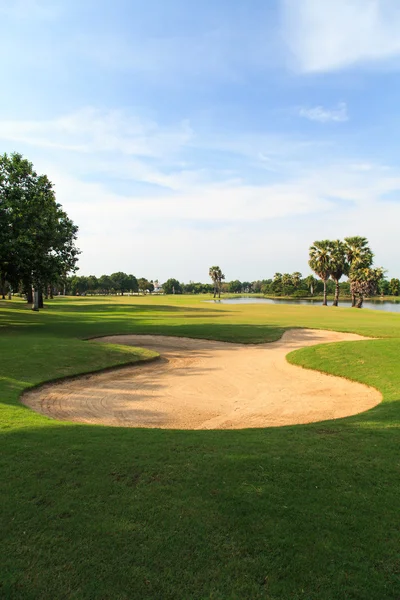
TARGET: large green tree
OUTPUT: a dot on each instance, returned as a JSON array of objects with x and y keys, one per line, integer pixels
[
  {"x": 320, "y": 262},
  {"x": 37, "y": 242}
]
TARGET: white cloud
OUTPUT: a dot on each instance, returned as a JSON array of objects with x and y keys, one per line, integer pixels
[
  {"x": 325, "y": 35},
  {"x": 92, "y": 130},
  {"x": 191, "y": 214},
  {"x": 325, "y": 115}
]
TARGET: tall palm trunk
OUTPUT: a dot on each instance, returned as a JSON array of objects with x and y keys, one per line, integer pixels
[
  {"x": 325, "y": 302},
  {"x": 336, "y": 299},
  {"x": 353, "y": 300},
  {"x": 360, "y": 301}
]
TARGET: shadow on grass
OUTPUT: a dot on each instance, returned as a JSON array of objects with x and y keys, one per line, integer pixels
[
  {"x": 130, "y": 506},
  {"x": 126, "y": 308}
]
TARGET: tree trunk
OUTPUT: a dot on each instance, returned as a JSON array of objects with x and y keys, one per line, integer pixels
[
  {"x": 325, "y": 302},
  {"x": 360, "y": 301},
  {"x": 219, "y": 292},
  {"x": 51, "y": 292},
  {"x": 29, "y": 295},
  {"x": 35, "y": 302},
  {"x": 9, "y": 294},
  {"x": 353, "y": 300},
  {"x": 215, "y": 291},
  {"x": 336, "y": 299},
  {"x": 41, "y": 299}
]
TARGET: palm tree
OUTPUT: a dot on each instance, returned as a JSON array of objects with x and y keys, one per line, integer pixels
[
  {"x": 286, "y": 282},
  {"x": 320, "y": 262},
  {"x": 339, "y": 265},
  {"x": 296, "y": 279},
  {"x": 311, "y": 282},
  {"x": 217, "y": 276},
  {"x": 359, "y": 256},
  {"x": 365, "y": 282}
]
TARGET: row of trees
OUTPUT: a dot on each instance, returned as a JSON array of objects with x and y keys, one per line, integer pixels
[
  {"x": 37, "y": 241},
  {"x": 116, "y": 283},
  {"x": 333, "y": 259}
]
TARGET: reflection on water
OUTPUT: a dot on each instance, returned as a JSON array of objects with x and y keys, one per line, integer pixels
[{"x": 377, "y": 304}]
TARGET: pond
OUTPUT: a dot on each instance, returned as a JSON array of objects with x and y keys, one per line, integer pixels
[{"x": 385, "y": 305}]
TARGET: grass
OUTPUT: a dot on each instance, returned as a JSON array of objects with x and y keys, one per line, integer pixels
[{"x": 302, "y": 512}]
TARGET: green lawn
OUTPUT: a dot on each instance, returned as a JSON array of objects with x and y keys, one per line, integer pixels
[{"x": 302, "y": 512}]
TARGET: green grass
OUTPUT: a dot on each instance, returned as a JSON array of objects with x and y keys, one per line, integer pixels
[{"x": 303, "y": 512}]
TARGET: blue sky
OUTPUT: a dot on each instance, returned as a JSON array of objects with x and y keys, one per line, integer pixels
[{"x": 182, "y": 134}]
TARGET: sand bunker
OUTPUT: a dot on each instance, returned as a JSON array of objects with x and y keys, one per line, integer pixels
[{"x": 200, "y": 384}]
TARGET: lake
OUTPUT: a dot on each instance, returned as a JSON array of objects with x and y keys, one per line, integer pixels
[{"x": 372, "y": 304}]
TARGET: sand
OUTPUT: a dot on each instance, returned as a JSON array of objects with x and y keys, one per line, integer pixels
[{"x": 201, "y": 384}]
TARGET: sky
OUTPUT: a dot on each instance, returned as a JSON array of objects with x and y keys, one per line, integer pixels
[{"x": 182, "y": 134}]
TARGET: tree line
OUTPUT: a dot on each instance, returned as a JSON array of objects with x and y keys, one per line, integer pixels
[
  {"x": 292, "y": 285},
  {"x": 37, "y": 241},
  {"x": 116, "y": 283}
]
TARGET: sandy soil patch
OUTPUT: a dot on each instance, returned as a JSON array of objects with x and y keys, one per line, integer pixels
[{"x": 200, "y": 384}]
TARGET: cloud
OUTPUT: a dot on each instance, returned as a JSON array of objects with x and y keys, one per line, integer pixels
[
  {"x": 330, "y": 35},
  {"x": 93, "y": 130},
  {"x": 131, "y": 184},
  {"x": 325, "y": 115}
]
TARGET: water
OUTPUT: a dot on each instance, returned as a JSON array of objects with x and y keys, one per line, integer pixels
[{"x": 373, "y": 304}]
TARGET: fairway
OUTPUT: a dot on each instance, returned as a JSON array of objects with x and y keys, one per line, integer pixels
[
  {"x": 275, "y": 513},
  {"x": 251, "y": 386}
]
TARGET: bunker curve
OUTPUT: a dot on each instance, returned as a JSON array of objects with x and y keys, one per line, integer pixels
[{"x": 202, "y": 384}]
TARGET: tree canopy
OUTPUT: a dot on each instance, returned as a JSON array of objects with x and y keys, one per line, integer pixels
[{"x": 37, "y": 245}]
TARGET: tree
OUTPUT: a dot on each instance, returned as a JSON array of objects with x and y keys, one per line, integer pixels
[
  {"x": 247, "y": 287},
  {"x": 359, "y": 256},
  {"x": 311, "y": 283},
  {"x": 172, "y": 286},
  {"x": 276, "y": 285},
  {"x": 120, "y": 282},
  {"x": 133, "y": 285},
  {"x": 143, "y": 285},
  {"x": 287, "y": 283},
  {"x": 105, "y": 284},
  {"x": 365, "y": 282},
  {"x": 296, "y": 279},
  {"x": 93, "y": 284},
  {"x": 320, "y": 262},
  {"x": 217, "y": 277},
  {"x": 394, "y": 286},
  {"x": 37, "y": 242},
  {"x": 235, "y": 287},
  {"x": 339, "y": 265}
]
